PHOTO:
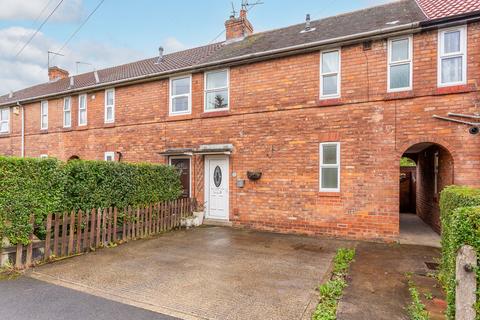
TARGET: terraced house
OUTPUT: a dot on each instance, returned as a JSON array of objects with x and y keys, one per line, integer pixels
[{"x": 299, "y": 129}]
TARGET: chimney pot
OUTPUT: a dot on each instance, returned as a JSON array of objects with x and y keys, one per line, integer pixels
[
  {"x": 307, "y": 22},
  {"x": 55, "y": 73}
]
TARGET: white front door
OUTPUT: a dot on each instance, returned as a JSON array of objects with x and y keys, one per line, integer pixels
[{"x": 216, "y": 187}]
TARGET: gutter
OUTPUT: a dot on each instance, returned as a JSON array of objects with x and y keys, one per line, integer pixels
[{"x": 248, "y": 58}]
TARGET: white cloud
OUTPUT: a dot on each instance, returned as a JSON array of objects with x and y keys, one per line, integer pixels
[
  {"x": 31, "y": 66},
  {"x": 173, "y": 44},
  {"x": 69, "y": 10}
]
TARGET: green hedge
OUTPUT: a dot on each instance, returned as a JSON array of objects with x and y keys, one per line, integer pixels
[
  {"x": 460, "y": 216},
  {"x": 49, "y": 186}
]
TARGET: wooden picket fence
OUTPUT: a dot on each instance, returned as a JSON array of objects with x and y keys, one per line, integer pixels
[{"x": 79, "y": 232}]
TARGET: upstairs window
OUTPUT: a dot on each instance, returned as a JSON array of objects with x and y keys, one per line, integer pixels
[
  {"x": 216, "y": 90},
  {"x": 5, "y": 120},
  {"x": 400, "y": 64},
  {"x": 330, "y": 167},
  {"x": 44, "y": 115},
  {"x": 452, "y": 62},
  {"x": 109, "y": 105},
  {"x": 330, "y": 74},
  {"x": 180, "y": 95},
  {"x": 82, "y": 110},
  {"x": 67, "y": 112}
]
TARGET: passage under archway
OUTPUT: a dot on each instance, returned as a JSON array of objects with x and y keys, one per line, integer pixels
[{"x": 420, "y": 188}]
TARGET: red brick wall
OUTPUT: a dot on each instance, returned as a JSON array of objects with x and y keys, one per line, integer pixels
[
  {"x": 427, "y": 200},
  {"x": 275, "y": 123}
]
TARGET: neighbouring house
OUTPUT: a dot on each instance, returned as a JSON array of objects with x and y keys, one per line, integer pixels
[{"x": 296, "y": 130}]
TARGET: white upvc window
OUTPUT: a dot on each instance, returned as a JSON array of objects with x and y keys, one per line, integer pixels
[
  {"x": 67, "y": 112},
  {"x": 44, "y": 115},
  {"x": 5, "y": 120},
  {"x": 109, "y": 105},
  {"x": 330, "y": 167},
  {"x": 181, "y": 95},
  {"x": 82, "y": 110},
  {"x": 452, "y": 56},
  {"x": 400, "y": 56},
  {"x": 217, "y": 90},
  {"x": 109, "y": 156},
  {"x": 44, "y": 156},
  {"x": 330, "y": 74}
]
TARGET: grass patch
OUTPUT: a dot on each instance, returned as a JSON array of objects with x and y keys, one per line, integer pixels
[
  {"x": 416, "y": 310},
  {"x": 332, "y": 290}
]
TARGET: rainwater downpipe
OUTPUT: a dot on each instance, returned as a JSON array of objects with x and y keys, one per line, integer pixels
[{"x": 22, "y": 151}]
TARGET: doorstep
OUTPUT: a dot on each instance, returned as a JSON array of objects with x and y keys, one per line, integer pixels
[{"x": 217, "y": 222}]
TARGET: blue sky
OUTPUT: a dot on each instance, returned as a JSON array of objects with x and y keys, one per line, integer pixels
[{"x": 126, "y": 30}]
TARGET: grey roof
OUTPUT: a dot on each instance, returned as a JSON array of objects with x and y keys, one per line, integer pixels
[{"x": 367, "y": 20}]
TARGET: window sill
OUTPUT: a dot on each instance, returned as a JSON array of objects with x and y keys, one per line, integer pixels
[
  {"x": 399, "y": 94},
  {"x": 454, "y": 89},
  {"x": 330, "y": 102},
  {"x": 5, "y": 134},
  {"x": 67, "y": 129},
  {"x": 82, "y": 127},
  {"x": 329, "y": 194},
  {"x": 212, "y": 114},
  {"x": 43, "y": 131},
  {"x": 109, "y": 125}
]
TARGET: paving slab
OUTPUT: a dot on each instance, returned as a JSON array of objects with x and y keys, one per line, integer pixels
[
  {"x": 378, "y": 287},
  {"x": 27, "y": 298},
  {"x": 206, "y": 273}
]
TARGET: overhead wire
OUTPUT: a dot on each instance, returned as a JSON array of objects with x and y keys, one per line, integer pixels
[{"x": 39, "y": 28}]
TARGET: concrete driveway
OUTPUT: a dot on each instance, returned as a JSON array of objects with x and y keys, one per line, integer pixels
[{"x": 205, "y": 273}]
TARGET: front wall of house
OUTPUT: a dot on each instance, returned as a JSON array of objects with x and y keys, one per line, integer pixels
[{"x": 275, "y": 123}]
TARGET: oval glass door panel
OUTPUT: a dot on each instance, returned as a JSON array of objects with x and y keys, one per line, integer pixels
[{"x": 217, "y": 176}]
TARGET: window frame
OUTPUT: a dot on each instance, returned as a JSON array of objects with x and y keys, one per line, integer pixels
[
  {"x": 338, "y": 73},
  {"x": 7, "y": 121},
  {"x": 106, "y": 106},
  {"x": 43, "y": 156},
  {"x": 206, "y": 91},
  {"x": 69, "y": 110},
  {"x": 390, "y": 64},
  {"x": 462, "y": 53},
  {"x": 80, "y": 109},
  {"x": 171, "y": 96},
  {"x": 42, "y": 103},
  {"x": 108, "y": 154},
  {"x": 337, "y": 166}
]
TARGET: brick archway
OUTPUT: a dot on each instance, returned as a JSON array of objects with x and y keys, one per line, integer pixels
[{"x": 435, "y": 160}]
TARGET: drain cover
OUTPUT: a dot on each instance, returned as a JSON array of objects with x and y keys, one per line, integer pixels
[{"x": 432, "y": 265}]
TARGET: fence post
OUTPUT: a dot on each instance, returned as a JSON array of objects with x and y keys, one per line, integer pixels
[{"x": 465, "y": 293}]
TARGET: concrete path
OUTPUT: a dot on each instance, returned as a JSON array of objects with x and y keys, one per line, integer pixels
[
  {"x": 414, "y": 231},
  {"x": 377, "y": 285},
  {"x": 206, "y": 273},
  {"x": 26, "y": 298}
]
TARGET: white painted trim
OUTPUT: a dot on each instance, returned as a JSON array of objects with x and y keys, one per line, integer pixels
[
  {"x": 462, "y": 53},
  {"x": 43, "y": 156},
  {"x": 86, "y": 109},
  {"x": 339, "y": 75},
  {"x": 337, "y": 165},
  {"x": 113, "y": 106},
  {"x": 205, "y": 90},
  {"x": 42, "y": 103},
  {"x": 399, "y": 63},
  {"x": 206, "y": 175},
  {"x": 7, "y": 121},
  {"x": 109, "y": 154},
  {"x": 190, "y": 169},
  {"x": 67, "y": 125},
  {"x": 171, "y": 96}
]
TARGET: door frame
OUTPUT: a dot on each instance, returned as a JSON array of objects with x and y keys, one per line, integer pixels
[
  {"x": 207, "y": 186},
  {"x": 170, "y": 158}
]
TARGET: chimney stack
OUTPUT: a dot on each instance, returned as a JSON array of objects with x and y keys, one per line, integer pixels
[
  {"x": 238, "y": 28},
  {"x": 160, "y": 54},
  {"x": 55, "y": 73}
]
